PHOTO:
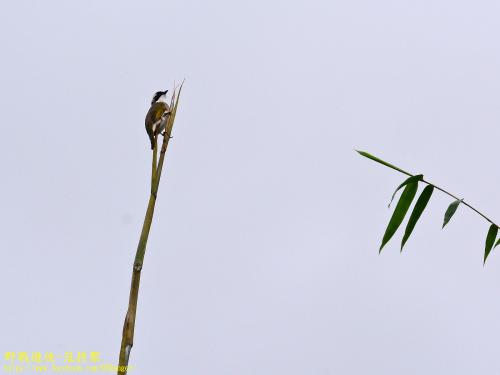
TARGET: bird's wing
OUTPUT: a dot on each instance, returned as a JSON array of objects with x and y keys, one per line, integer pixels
[{"x": 154, "y": 114}]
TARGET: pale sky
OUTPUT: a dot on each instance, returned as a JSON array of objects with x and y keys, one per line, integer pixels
[{"x": 263, "y": 255}]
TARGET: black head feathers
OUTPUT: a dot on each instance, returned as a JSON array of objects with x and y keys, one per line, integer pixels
[{"x": 157, "y": 96}]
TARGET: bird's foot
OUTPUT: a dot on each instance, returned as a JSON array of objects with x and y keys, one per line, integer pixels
[{"x": 165, "y": 133}]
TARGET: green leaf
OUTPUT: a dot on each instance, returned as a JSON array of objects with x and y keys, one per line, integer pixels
[
  {"x": 490, "y": 240},
  {"x": 422, "y": 201},
  {"x": 374, "y": 158},
  {"x": 498, "y": 243},
  {"x": 450, "y": 211},
  {"x": 399, "y": 212},
  {"x": 409, "y": 180}
]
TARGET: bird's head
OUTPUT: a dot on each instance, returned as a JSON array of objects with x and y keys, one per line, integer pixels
[{"x": 159, "y": 96}]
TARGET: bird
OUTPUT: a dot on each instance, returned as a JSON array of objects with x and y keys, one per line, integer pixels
[{"x": 157, "y": 116}]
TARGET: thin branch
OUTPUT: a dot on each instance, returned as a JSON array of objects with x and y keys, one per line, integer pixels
[
  {"x": 376, "y": 159},
  {"x": 463, "y": 202}
]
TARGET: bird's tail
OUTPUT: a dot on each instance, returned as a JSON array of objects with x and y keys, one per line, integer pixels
[{"x": 153, "y": 141}]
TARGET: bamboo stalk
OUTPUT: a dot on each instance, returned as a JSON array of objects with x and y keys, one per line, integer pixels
[{"x": 129, "y": 323}]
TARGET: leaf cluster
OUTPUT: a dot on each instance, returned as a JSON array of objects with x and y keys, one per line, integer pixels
[{"x": 406, "y": 198}]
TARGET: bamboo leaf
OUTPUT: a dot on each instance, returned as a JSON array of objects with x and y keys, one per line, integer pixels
[
  {"x": 374, "y": 158},
  {"x": 490, "y": 240},
  {"x": 399, "y": 212},
  {"x": 450, "y": 211},
  {"x": 409, "y": 180},
  {"x": 498, "y": 243},
  {"x": 422, "y": 201}
]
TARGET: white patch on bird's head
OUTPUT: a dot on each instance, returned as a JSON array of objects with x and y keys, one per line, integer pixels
[
  {"x": 160, "y": 96},
  {"x": 163, "y": 98}
]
